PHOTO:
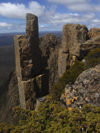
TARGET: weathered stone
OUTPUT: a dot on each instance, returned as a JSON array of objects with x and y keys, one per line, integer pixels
[
  {"x": 27, "y": 94},
  {"x": 23, "y": 55},
  {"x": 63, "y": 62},
  {"x": 30, "y": 90},
  {"x": 94, "y": 32},
  {"x": 31, "y": 26},
  {"x": 41, "y": 84},
  {"x": 49, "y": 46},
  {"x": 89, "y": 45},
  {"x": 73, "y": 36},
  {"x": 40, "y": 63},
  {"x": 86, "y": 89},
  {"x": 28, "y": 57}
]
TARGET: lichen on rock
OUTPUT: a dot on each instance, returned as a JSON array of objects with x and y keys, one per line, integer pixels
[{"x": 85, "y": 90}]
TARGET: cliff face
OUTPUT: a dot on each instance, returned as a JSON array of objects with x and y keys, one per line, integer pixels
[
  {"x": 36, "y": 63},
  {"x": 73, "y": 36},
  {"x": 40, "y": 62},
  {"x": 9, "y": 99},
  {"x": 49, "y": 46}
]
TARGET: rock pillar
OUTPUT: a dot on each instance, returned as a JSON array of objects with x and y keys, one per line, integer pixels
[
  {"x": 27, "y": 55},
  {"x": 73, "y": 36}
]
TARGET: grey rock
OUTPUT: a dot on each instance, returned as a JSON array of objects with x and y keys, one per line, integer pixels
[{"x": 86, "y": 89}]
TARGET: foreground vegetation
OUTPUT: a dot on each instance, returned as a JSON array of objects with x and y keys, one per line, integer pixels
[{"x": 52, "y": 117}]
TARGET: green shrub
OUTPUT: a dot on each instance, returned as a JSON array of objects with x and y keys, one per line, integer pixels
[
  {"x": 68, "y": 77},
  {"x": 93, "y": 58},
  {"x": 21, "y": 116},
  {"x": 52, "y": 117},
  {"x": 5, "y": 128}
]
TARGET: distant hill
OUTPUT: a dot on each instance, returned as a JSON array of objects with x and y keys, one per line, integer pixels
[
  {"x": 8, "y": 38},
  {"x": 6, "y": 62}
]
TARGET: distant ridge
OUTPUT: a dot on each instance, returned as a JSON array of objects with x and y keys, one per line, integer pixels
[{"x": 7, "y": 38}]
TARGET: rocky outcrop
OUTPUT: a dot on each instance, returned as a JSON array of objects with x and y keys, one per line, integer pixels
[
  {"x": 89, "y": 45},
  {"x": 94, "y": 32},
  {"x": 49, "y": 46},
  {"x": 36, "y": 63},
  {"x": 40, "y": 62},
  {"x": 73, "y": 36},
  {"x": 27, "y": 52},
  {"x": 86, "y": 89},
  {"x": 28, "y": 61}
]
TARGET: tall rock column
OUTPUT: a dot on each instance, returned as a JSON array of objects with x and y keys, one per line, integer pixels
[
  {"x": 33, "y": 42},
  {"x": 27, "y": 55},
  {"x": 73, "y": 36}
]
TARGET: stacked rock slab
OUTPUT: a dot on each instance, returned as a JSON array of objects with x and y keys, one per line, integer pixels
[
  {"x": 73, "y": 36},
  {"x": 27, "y": 55}
]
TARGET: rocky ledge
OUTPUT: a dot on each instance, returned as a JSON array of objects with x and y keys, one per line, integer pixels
[{"x": 86, "y": 89}]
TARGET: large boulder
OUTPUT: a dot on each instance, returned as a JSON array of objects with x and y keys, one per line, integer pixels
[{"x": 86, "y": 89}]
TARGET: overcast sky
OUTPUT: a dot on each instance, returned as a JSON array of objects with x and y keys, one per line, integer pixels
[{"x": 53, "y": 14}]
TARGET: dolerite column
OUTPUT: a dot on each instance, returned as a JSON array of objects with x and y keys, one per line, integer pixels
[
  {"x": 27, "y": 56},
  {"x": 73, "y": 36},
  {"x": 33, "y": 39}
]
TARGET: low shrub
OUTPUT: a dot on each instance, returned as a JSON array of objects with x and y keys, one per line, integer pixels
[
  {"x": 68, "y": 77},
  {"x": 52, "y": 117},
  {"x": 93, "y": 58}
]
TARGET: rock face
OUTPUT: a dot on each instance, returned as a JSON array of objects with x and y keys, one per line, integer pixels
[
  {"x": 40, "y": 62},
  {"x": 36, "y": 63},
  {"x": 49, "y": 46},
  {"x": 86, "y": 89},
  {"x": 9, "y": 99},
  {"x": 28, "y": 57},
  {"x": 73, "y": 36},
  {"x": 94, "y": 32},
  {"x": 89, "y": 45}
]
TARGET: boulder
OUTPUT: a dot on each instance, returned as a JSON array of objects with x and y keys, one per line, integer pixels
[{"x": 85, "y": 90}]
